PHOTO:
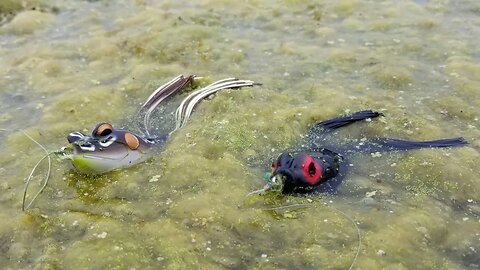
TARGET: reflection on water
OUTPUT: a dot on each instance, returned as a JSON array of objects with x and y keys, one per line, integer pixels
[{"x": 68, "y": 65}]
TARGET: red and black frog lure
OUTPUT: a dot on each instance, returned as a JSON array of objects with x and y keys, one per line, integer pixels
[{"x": 320, "y": 169}]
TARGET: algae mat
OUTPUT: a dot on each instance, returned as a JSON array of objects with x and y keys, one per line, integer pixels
[{"x": 67, "y": 65}]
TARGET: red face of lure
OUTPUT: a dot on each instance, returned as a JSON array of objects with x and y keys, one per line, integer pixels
[
  {"x": 312, "y": 172},
  {"x": 305, "y": 170}
]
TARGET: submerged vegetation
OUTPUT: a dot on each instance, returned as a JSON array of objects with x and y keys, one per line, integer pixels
[{"x": 68, "y": 65}]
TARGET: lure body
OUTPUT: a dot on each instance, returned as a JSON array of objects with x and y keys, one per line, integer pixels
[
  {"x": 107, "y": 148},
  {"x": 321, "y": 170}
]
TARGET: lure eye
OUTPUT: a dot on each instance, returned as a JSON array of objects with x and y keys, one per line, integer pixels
[
  {"x": 311, "y": 170},
  {"x": 103, "y": 129},
  {"x": 132, "y": 141}
]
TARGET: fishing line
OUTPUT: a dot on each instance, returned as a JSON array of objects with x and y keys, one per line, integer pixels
[
  {"x": 300, "y": 205},
  {"x": 47, "y": 177},
  {"x": 260, "y": 191},
  {"x": 358, "y": 234},
  {"x": 27, "y": 183}
]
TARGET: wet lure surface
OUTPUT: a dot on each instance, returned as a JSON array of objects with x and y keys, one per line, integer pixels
[
  {"x": 322, "y": 168},
  {"x": 107, "y": 148}
]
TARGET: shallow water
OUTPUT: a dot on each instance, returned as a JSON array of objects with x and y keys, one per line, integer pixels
[{"x": 69, "y": 65}]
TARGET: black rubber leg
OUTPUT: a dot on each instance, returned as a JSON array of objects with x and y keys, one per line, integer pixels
[
  {"x": 383, "y": 145},
  {"x": 346, "y": 120}
]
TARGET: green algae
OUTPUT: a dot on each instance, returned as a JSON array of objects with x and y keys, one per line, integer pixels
[
  {"x": 183, "y": 208},
  {"x": 12, "y": 7}
]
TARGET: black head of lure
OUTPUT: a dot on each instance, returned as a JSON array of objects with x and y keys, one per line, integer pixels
[
  {"x": 321, "y": 169},
  {"x": 302, "y": 172},
  {"x": 105, "y": 149}
]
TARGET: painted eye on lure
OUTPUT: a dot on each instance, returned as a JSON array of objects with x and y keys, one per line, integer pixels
[{"x": 103, "y": 129}]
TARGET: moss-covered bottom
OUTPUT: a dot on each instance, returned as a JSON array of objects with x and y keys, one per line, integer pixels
[{"x": 72, "y": 64}]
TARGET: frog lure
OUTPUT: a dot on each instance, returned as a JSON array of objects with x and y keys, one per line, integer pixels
[
  {"x": 321, "y": 169},
  {"x": 107, "y": 148}
]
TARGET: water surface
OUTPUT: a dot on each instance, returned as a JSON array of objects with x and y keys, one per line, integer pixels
[{"x": 68, "y": 65}]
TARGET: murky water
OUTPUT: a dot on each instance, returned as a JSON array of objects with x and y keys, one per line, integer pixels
[{"x": 68, "y": 65}]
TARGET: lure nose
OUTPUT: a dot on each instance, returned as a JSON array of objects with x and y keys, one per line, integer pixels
[
  {"x": 65, "y": 153},
  {"x": 281, "y": 173},
  {"x": 277, "y": 181}
]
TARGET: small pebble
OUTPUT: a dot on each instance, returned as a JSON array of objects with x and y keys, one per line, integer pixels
[
  {"x": 154, "y": 178},
  {"x": 102, "y": 235},
  {"x": 371, "y": 194},
  {"x": 369, "y": 201}
]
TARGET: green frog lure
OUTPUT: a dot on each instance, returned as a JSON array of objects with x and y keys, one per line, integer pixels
[{"x": 107, "y": 148}]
